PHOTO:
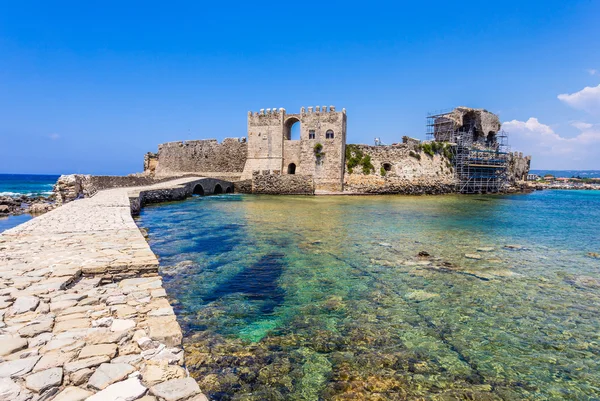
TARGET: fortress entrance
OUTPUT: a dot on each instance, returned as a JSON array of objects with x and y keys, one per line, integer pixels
[
  {"x": 292, "y": 129},
  {"x": 291, "y": 168}
]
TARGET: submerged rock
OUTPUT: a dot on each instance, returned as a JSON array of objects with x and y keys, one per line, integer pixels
[
  {"x": 473, "y": 256},
  {"x": 421, "y": 295},
  {"x": 485, "y": 249},
  {"x": 583, "y": 281}
]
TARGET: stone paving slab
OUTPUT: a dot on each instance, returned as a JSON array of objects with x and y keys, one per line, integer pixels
[{"x": 83, "y": 314}]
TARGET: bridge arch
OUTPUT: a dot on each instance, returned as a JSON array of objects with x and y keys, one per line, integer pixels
[{"x": 198, "y": 190}]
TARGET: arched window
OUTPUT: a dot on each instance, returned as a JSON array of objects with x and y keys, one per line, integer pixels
[
  {"x": 329, "y": 134},
  {"x": 291, "y": 168},
  {"x": 387, "y": 166}
]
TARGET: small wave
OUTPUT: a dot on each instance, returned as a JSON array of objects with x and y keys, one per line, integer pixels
[{"x": 15, "y": 194}]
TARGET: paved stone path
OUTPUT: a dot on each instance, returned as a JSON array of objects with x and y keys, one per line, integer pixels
[{"x": 83, "y": 315}]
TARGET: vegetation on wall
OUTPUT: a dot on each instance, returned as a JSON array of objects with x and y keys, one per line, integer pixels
[
  {"x": 441, "y": 148},
  {"x": 382, "y": 171},
  {"x": 319, "y": 151},
  {"x": 415, "y": 155},
  {"x": 355, "y": 157}
]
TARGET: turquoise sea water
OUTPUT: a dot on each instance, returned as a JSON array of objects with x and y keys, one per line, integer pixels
[
  {"x": 26, "y": 184},
  {"x": 14, "y": 185},
  {"x": 327, "y": 298}
]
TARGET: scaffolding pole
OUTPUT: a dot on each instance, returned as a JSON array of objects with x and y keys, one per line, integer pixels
[{"x": 478, "y": 168}]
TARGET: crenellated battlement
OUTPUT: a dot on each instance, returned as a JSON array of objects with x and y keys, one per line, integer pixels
[{"x": 303, "y": 110}]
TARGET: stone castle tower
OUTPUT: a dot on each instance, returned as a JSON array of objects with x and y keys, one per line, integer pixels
[{"x": 320, "y": 151}]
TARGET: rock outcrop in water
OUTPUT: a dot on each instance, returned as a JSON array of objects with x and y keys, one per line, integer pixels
[{"x": 15, "y": 205}]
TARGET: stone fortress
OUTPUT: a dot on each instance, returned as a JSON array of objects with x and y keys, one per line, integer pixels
[{"x": 465, "y": 152}]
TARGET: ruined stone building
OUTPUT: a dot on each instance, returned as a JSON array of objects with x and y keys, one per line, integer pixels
[
  {"x": 480, "y": 152},
  {"x": 318, "y": 153},
  {"x": 268, "y": 160}
]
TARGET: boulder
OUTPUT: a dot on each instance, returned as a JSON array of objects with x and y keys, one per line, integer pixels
[
  {"x": 42, "y": 381},
  {"x": 127, "y": 390},
  {"x": 73, "y": 394},
  {"x": 24, "y": 304},
  {"x": 176, "y": 389},
  {"x": 18, "y": 367},
  {"x": 155, "y": 374},
  {"x": 10, "y": 344},
  {"x": 165, "y": 329},
  {"x": 109, "y": 350},
  {"x": 109, "y": 373},
  {"x": 9, "y": 390}
]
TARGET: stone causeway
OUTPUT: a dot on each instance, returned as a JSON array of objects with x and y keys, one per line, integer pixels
[{"x": 83, "y": 314}]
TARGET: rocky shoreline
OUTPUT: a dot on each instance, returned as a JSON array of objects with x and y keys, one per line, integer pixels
[{"x": 16, "y": 205}]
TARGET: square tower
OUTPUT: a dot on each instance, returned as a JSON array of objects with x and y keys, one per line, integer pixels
[{"x": 320, "y": 151}]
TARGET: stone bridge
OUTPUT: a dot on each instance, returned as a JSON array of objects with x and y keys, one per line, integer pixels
[
  {"x": 83, "y": 314},
  {"x": 177, "y": 190}
]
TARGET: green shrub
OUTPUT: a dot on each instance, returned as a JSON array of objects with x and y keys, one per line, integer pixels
[
  {"x": 427, "y": 148},
  {"x": 366, "y": 164},
  {"x": 355, "y": 157},
  {"x": 318, "y": 150},
  {"x": 415, "y": 155},
  {"x": 382, "y": 171},
  {"x": 447, "y": 152}
]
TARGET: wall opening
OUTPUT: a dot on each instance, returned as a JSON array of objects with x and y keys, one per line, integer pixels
[
  {"x": 291, "y": 168},
  {"x": 198, "y": 190},
  {"x": 218, "y": 189},
  {"x": 228, "y": 190},
  {"x": 329, "y": 134},
  {"x": 292, "y": 129},
  {"x": 387, "y": 166}
]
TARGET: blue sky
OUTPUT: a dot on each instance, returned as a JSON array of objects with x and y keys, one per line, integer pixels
[{"x": 89, "y": 87}]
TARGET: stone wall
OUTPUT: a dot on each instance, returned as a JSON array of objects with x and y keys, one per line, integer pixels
[
  {"x": 267, "y": 182},
  {"x": 207, "y": 158},
  {"x": 402, "y": 173},
  {"x": 76, "y": 186},
  {"x": 518, "y": 167},
  {"x": 243, "y": 186},
  {"x": 71, "y": 187},
  {"x": 150, "y": 163}
]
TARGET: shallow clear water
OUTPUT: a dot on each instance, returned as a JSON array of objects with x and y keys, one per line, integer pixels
[
  {"x": 8, "y": 222},
  {"x": 326, "y": 298}
]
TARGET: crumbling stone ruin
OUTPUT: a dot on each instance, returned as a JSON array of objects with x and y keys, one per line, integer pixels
[
  {"x": 479, "y": 125},
  {"x": 480, "y": 152},
  {"x": 268, "y": 160}
]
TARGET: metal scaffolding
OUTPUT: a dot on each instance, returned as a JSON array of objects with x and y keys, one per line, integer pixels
[{"x": 478, "y": 168}]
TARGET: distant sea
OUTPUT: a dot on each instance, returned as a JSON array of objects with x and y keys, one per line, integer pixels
[
  {"x": 568, "y": 173},
  {"x": 23, "y": 184},
  {"x": 26, "y": 184}
]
